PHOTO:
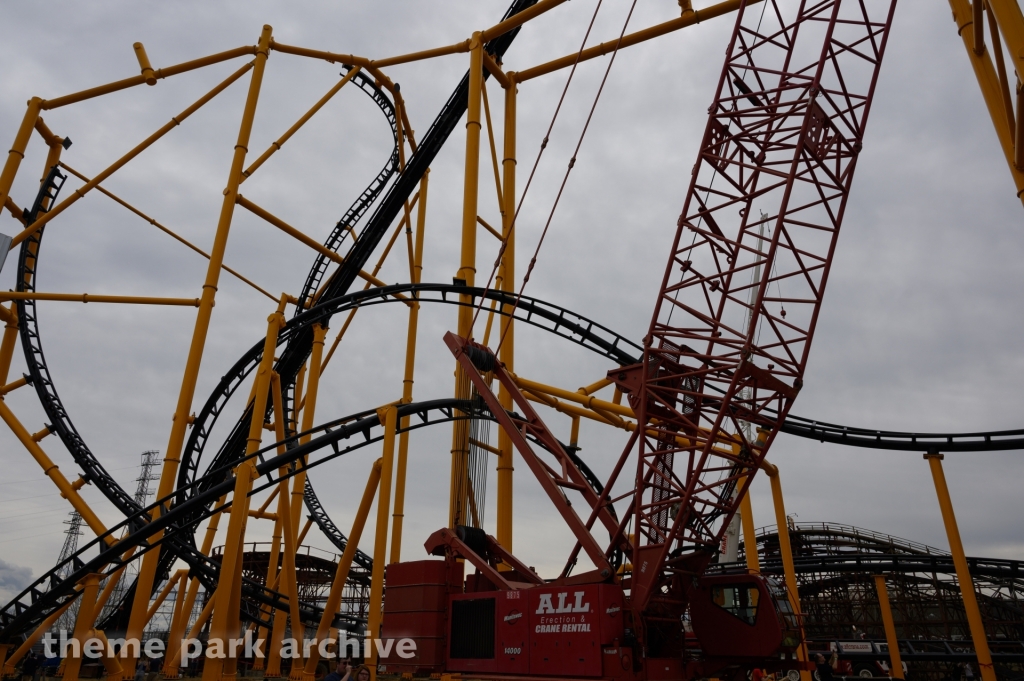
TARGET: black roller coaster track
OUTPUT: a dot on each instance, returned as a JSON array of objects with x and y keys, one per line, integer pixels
[
  {"x": 533, "y": 311},
  {"x": 991, "y": 441},
  {"x": 338, "y": 438},
  {"x": 299, "y": 345},
  {"x": 179, "y": 521},
  {"x": 562, "y": 322},
  {"x": 876, "y": 564},
  {"x": 358, "y": 209},
  {"x": 359, "y": 253},
  {"x": 298, "y": 336},
  {"x": 39, "y": 373}
]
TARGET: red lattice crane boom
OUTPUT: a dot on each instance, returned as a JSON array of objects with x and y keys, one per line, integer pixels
[
  {"x": 767, "y": 194},
  {"x": 727, "y": 348}
]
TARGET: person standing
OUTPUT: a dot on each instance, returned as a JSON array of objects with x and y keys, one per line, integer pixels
[
  {"x": 30, "y": 667},
  {"x": 824, "y": 669},
  {"x": 342, "y": 672}
]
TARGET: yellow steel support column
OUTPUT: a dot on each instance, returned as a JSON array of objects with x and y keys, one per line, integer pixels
[
  {"x": 508, "y": 284},
  {"x": 308, "y": 417},
  {"x": 67, "y": 489},
  {"x": 270, "y": 581},
  {"x": 280, "y": 616},
  {"x": 179, "y": 617},
  {"x": 283, "y": 520},
  {"x": 110, "y": 663},
  {"x": 17, "y": 152},
  {"x": 44, "y": 218},
  {"x": 988, "y": 80},
  {"x": 10, "y": 336},
  {"x": 749, "y": 535},
  {"x": 170, "y": 670},
  {"x": 28, "y": 643},
  {"x": 220, "y": 627},
  {"x": 288, "y": 579},
  {"x": 55, "y": 147},
  {"x": 193, "y": 632},
  {"x": 83, "y": 626},
  {"x": 787, "y": 560},
  {"x": 407, "y": 381},
  {"x": 388, "y": 417},
  {"x": 10, "y": 339},
  {"x": 1018, "y": 157},
  {"x": 963, "y": 573},
  {"x": 280, "y": 620},
  {"x": 467, "y": 273},
  {"x": 179, "y": 425},
  {"x": 1011, "y": 24},
  {"x": 895, "y": 664},
  {"x": 291, "y": 516},
  {"x": 344, "y": 566},
  {"x": 162, "y": 596}
]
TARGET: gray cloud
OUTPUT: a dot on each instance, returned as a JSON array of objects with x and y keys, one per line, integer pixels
[
  {"x": 13, "y": 578},
  {"x": 919, "y": 331}
]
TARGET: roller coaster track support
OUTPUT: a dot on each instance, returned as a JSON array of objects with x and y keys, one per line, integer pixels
[
  {"x": 389, "y": 418},
  {"x": 171, "y": 669},
  {"x": 168, "y": 474},
  {"x": 68, "y": 490},
  {"x": 895, "y": 664},
  {"x": 784, "y": 133},
  {"x": 286, "y": 524},
  {"x": 10, "y": 339},
  {"x": 1004, "y": 19},
  {"x": 227, "y": 598},
  {"x": 179, "y": 619},
  {"x": 86, "y": 616},
  {"x": 344, "y": 565},
  {"x": 963, "y": 572},
  {"x": 274, "y": 572},
  {"x": 506, "y": 353},
  {"x": 280, "y": 617},
  {"x": 415, "y": 273},
  {"x": 459, "y": 491},
  {"x": 308, "y": 418},
  {"x": 786, "y": 550},
  {"x": 30, "y": 641},
  {"x": 17, "y": 152}
]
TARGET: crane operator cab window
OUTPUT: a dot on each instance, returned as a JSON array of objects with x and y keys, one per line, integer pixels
[
  {"x": 739, "y": 600},
  {"x": 790, "y": 620}
]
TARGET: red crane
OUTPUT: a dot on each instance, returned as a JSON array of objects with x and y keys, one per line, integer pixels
[{"x": 767, "y": 195}]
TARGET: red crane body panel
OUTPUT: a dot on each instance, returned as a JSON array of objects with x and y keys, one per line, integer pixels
[{"x": 547, "y": 631}]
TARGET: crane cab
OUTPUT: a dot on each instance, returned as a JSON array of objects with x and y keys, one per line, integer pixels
[{"x": 742, "y": 616}]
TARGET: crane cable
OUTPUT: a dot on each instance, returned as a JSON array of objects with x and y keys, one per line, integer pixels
[
  {"x": 572, "y": 162},
  {"x": 536, "y": 162}
]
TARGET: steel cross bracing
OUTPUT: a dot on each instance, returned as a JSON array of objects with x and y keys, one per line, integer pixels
[
  {"x": 178, "y": 522},
  {"x": 396, "y": 195},
  {"x": 782, "y": 141},
  {"x": 297, "y": 350}
]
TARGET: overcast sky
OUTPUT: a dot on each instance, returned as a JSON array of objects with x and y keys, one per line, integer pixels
[{"x": 920, "y": 330}]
